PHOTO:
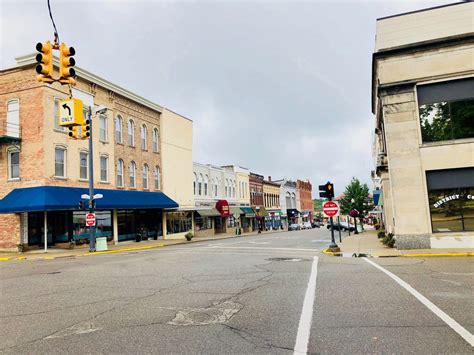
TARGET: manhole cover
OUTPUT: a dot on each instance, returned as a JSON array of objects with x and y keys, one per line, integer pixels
[{"x": 287, "y": 259}]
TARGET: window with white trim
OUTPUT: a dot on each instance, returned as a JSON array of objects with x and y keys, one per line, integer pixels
[
  {"x": 120, "y": 173},
  {"x": 60, "y": 162},
  {"x": 143, "y": 132},
  {"x": 13, "y": 164},
  {"x": 83, "y": 165},
  {"x": 132, "y": 169},
  {"x": 131, "y": 133},
  {"x": 118, "y": 129},
  {"x": 104, "y": 168},
  {"x": 103, "y": 128},
  {"x": 155, "y": 140},
  {"x": 145, "y": 176}
]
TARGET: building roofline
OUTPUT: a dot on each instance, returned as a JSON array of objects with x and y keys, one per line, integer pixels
[
  {"x": 425, "y": 9},
  {"x": 413, "y": 48},
  {"x": 30, "y": 59},
  {"x": 178, "y": 114}
]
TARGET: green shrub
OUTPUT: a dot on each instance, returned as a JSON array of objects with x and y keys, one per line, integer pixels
[
  {"x": 389, "y": 240},
  {"x": 189, "y": 236},
  {"x": 381, "y": 233}
]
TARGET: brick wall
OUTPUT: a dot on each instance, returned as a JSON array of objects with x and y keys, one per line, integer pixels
[{"x": 10, "y": 231}]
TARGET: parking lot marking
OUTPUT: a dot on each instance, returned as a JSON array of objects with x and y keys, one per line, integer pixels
[
  {"x": 463, "y": 332},
  {"x": 304, "y": 326}
]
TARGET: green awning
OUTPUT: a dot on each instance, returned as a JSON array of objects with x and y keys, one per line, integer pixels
[
  {"x": 235, "y": 210},
  {"x": 213, "y": 212},
  {"x": 248, "y": 211}
]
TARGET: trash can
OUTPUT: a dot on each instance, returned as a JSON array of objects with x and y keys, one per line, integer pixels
[{"x": 101, "y": 244}]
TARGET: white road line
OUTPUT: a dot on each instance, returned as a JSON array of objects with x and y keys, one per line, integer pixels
[
  {"x": 258, "y": 248},
  {"x": 304, "y": 327},
  {"x": 431, "y": 306}
]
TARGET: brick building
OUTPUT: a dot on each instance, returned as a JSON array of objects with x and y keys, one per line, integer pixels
[
  {"x": 304, "y": 191},
  {"x": 35, "y": 152}
]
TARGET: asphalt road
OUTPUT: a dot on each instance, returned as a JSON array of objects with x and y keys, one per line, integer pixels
[{"x": 261, "y": 294}]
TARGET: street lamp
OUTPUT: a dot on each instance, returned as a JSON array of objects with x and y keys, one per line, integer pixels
[{"x": 98, "y": 111}]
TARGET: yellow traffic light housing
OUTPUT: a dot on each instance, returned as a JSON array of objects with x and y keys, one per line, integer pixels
[
  {"x": 73, "y": 132},
  {"x": 44, "y": 67},
  {"x": 86, "y": 129},
  {"x": 66, "y": 64}
]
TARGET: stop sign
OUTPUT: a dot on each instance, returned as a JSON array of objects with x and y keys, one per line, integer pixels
[
  {"x": 90, "y": 219},
  {"x": 330, "y": 209}
]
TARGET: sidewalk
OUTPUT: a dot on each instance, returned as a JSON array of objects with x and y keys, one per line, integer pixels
[
  {"x": 368, "y": 243},
  {"x": 83, "y": 250}
]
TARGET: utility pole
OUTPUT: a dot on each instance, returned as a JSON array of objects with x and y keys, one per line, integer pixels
[{"x": 91, "y": 184}]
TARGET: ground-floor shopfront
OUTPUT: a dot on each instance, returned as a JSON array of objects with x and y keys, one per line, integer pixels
[
  {"x": 274, "y": 220},
  {"x": 293, "y": 216},
  {"x": 43, "y": 215}
]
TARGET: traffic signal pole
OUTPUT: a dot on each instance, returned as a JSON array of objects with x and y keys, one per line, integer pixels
[{"x": 91, "y": 184}]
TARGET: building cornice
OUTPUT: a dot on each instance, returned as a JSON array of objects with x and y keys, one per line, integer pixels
[{"x": 30, "y": 59}]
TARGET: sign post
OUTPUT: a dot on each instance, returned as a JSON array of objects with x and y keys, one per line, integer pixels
[
  {"x": 331, "y": 209},
  {"x": 90, "y": 220}
]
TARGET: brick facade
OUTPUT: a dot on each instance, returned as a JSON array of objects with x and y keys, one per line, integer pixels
[{"x": 304, "y": 189}]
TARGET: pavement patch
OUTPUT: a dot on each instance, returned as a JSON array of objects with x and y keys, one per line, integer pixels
[{"x": 216, "y": 314}]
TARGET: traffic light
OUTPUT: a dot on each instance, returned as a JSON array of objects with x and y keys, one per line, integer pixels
[
  {"x": 74, "y": 132},
  {"x": 66, "y": 63},
  {"x": 86, "y": 129},
  {"x": 44, "y": 58},
  {"x": 327, "y": 190}
]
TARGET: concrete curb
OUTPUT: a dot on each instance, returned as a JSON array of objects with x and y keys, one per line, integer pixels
[
  {"x": 420, "y": 255},
  {"x": 124, "y": 250}
]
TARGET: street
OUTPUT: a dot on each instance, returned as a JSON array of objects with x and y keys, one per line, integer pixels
[{"x": 239, "y": 295}]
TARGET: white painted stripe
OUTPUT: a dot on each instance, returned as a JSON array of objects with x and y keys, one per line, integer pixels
[
  {"x": 258, "y": 248},
  {"x": 304, "y": 327},
  {"x": 431, "y": 306}
]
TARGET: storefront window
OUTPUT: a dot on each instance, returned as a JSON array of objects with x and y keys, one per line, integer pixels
[
  {"x": 126, "y": 225},
  {"x": 245, "y": 222},
  {"x": 452, "y": 210},
  {"x": 451, "y": 199},
  {"x": 178, "y": 222},
  {"x": 103, "y": 225},
  {"x": 201, "y": 223},
  {"x": 231, "y": 221}
]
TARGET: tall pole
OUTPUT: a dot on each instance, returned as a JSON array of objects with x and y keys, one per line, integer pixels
[
  {"x": 333, "y": 242},
  {"x": 339, "y": 228},
  {"x": 91, "y": 184},
  {"x": 355, "y": 225}
]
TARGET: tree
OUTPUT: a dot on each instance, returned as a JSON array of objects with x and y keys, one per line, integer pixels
[{"x": 360, "y": 194}]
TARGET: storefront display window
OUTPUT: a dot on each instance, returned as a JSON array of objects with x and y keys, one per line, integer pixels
[
  {"x": 452, "y": 210},
  {"x": 231, "y": 221},
  {"x": 451, "y": 199},
  {"x": 178, "y": 222},
  {"x": 202, "y": 223},
  {"x": 103, "y": 225},
  {"x": 245, "y": 222}
]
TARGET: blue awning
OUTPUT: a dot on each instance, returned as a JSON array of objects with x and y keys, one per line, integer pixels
[{"x": 57, "y": 198}]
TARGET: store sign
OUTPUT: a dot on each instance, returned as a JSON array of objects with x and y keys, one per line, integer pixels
[
  {"x": 223, "y": 207},
  {"x": 446, "y": 199}
]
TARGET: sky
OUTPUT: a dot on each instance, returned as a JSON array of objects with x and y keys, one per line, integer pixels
[{"x": 282, "y": 88}]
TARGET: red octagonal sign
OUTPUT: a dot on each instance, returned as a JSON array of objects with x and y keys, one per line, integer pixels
[
  {"x": 90, "y": 219},
  {"x": 330, "y": 209}
]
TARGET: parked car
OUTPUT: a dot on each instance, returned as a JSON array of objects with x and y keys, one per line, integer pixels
[
  {"x": 343, "y": 226},
  {"x": 294, "y": 227},
  {"x": 306, "y": 225},
  {"x": 316, "y": 224}
]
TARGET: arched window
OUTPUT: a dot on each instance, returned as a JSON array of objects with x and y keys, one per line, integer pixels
[
  {"x": 118, "y": 129},
  {"x": 226, "y": 187},
  {"x": 145, "y": 176},
  {"x": 143, "y": 133},
  {"x": 132, "y": 169},
  {"x": 155, "y": 140},
  {"x": 120, "y": 173},
  {"x": 200, "y": 184},
  {"x": 206, "y": 182},
  {"x": 215, "y": 187},
  {"x": 157, "y": 175},
  {"x": 195, "y": 184},
  {"x": 293, "y": 200},
  {"x": 131, "y": 133},
  {"x": 233, "y": 188}
]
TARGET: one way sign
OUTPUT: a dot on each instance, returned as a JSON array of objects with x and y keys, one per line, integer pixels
[{"x": 70, "y": 113}]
